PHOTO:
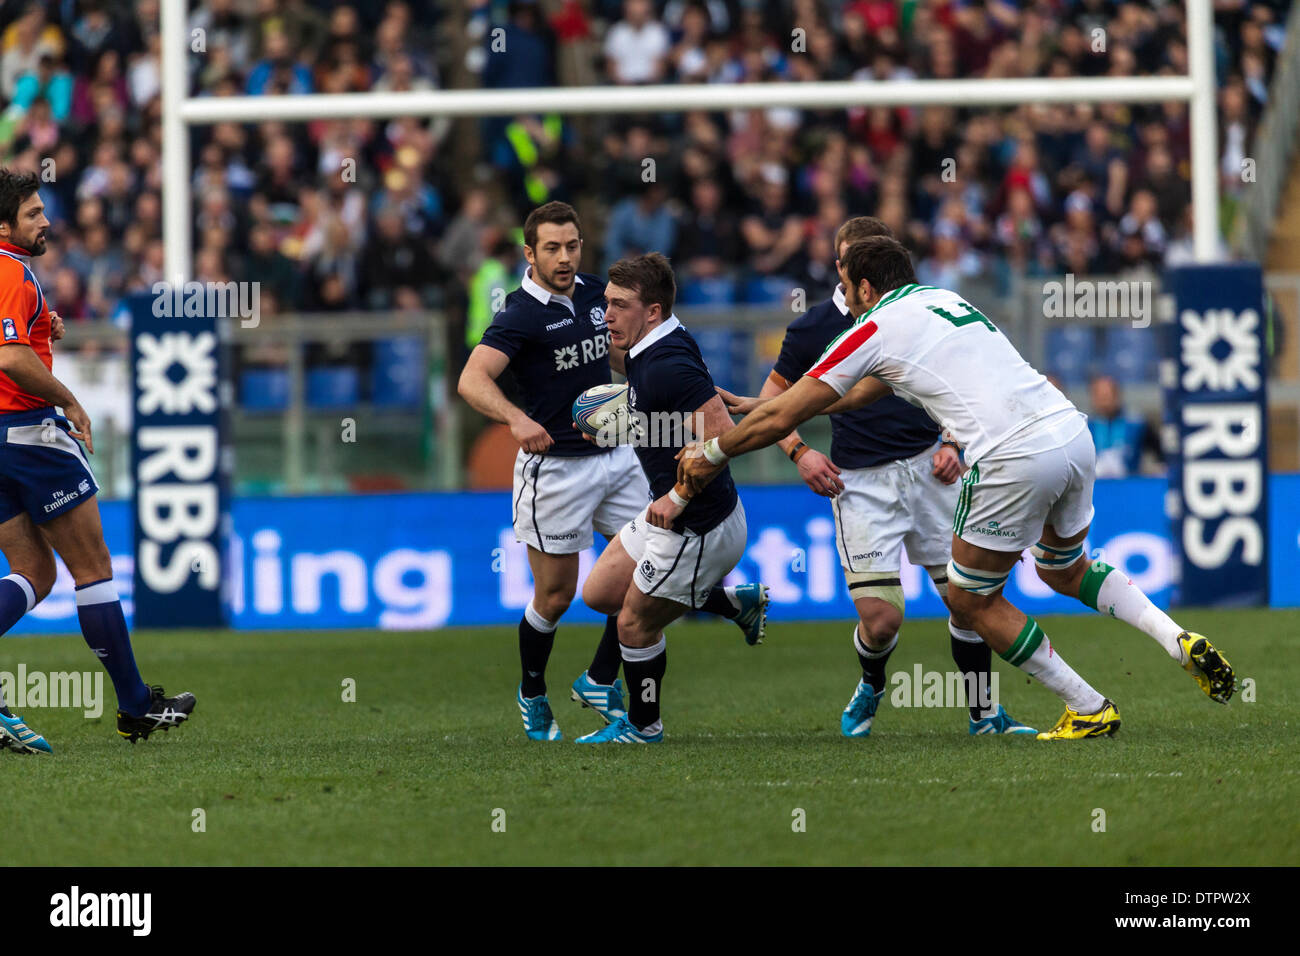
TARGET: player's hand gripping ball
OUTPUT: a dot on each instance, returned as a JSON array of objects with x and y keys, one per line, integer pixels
[{"x": 603, "y": 415}]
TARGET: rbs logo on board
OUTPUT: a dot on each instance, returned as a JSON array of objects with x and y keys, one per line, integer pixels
[
  {"x": 177, "y": 481},
  {"x": 1223, "y": 466}
]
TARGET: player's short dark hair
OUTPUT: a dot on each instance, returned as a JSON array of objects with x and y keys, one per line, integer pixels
[
  {"x": 15, "y": 188},
  {"x": 556, "y": 212},
  {"x": 651, "y": 276},
  {"x": 858, "y": 228},
  {"x": 881, "y": 260}
]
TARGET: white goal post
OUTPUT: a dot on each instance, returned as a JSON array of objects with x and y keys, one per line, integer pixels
[{"x": 181, "y": 111}]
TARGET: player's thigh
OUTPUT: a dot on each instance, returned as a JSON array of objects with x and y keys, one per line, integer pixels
[
  {"x": 684, "y": 567},
  {"x": 28, "y": 553},
  {"x": 625, "y": 491},
  {"x": 930, "y": 505},
  {"x": 1071, "y": 514},
  {"x": 555, "y": 576},
  {"x": 78, "y": 536},
  {"x": 551, "y": 505},
  {"x": 609, "y": 579},
  {"x": 870, "y": 523},
  {"x": 1004, "y": 502}
]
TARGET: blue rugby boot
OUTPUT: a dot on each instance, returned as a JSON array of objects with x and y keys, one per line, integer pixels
[
  {"x": 752, "y": 619},
  {"x": 857, "y": 717},
  {"x": 539, "y": 722},
  {"x": 604, "y": 699},
  {"x": 20, "y": 738},
  {"x": 621, "y": 731},
  {"x": 999, "y": 723}
]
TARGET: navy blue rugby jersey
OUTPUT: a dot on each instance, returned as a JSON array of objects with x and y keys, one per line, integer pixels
[
  {"x": 884, "y": 431},
  {"x": 558, "y": 348},
  {"x": 666, "y": 373}
]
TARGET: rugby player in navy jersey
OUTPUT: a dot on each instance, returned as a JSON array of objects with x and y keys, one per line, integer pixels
[
  {"x": 892, "y": 484},
  {"x": 672, "y": 556},
  {"x": 551, "y": 335}
]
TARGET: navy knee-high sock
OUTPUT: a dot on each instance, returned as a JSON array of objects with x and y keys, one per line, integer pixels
[
  {"x": 17, "y": 597},
  {"x": 104, "y": 627}
]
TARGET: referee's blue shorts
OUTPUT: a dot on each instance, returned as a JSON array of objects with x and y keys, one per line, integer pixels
[{"x": 43, "y": 470}]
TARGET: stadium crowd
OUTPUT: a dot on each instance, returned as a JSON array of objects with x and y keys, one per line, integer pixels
[{"x": 334, "y": 215}]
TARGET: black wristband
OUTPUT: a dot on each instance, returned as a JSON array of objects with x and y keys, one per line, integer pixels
[{"x": 794, "y": 452}]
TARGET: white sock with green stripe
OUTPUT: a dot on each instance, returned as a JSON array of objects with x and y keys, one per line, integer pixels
[
  {"x": 1032, "y": 652},
  {"x": 1109, "y": 591}
]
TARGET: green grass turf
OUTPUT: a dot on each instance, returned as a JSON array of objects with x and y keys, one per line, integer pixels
[{"x": 411, "y": 773}]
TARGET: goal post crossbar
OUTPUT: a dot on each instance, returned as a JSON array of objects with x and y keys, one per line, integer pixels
[
  {"x": 685, "y": 98},
  {"x": 180, "y": 111}
]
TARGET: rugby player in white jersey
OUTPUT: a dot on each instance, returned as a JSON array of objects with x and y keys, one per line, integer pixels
[
  {"x": 891, "y": 482},
  {"x": 1029, "y": 484}
]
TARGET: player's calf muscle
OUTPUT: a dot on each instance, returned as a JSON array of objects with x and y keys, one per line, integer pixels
[{"x": 1065, "y": 581}]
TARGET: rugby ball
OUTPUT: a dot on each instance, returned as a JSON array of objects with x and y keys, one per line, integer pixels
[{"x": 602, "y": 410}]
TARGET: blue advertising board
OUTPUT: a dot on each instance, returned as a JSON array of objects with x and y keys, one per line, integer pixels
[
  {"x": 449, "y": 559},
  {"x": 1216, "y": 407},
  {"x": 181, "y": 466}
]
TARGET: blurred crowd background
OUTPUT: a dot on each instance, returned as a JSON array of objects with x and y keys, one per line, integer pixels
[
  {"x": 333, "y": 216},
  {"x": 743, "y": 196}
]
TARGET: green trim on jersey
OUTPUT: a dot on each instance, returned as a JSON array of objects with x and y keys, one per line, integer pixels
[{"x": 968, "y": 483}]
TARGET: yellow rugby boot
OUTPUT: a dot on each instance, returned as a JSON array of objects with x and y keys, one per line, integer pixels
[
  {"x": 1210, "y": 669},
  {"x": 1076, "y": 726}
]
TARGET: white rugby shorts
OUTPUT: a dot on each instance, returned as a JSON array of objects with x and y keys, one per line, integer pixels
[
  {"x": 891, "y": 506},
  {"x": 559, "y": 501},
  {"x": 1041, "y": 476},
  {"x": 684, "y": 567}
]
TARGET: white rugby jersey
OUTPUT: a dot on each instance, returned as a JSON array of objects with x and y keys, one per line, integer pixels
[{"x": 937, "y": 351}]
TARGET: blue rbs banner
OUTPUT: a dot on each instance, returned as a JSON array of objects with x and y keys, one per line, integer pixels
[
  {"x": 1216, "y": 409},
  {"x": 181, "y": 505}
]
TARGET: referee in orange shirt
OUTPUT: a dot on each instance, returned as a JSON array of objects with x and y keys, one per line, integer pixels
[{"x": 47, "y": 490}]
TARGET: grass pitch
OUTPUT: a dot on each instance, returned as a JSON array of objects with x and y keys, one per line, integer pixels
[{"x": 417, "y": 769}]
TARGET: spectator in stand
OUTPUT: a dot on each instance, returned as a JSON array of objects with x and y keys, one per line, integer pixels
[
  {"x": 26, "y": 40},
  {"x": 394, "y": 258},
  {"x": 461, "y": 250},
  {"x": 278, "y": 71},
  {"x": 951, "y": 261},
  {"x": 773, "y": 233},
  {"x": 639, "y": 224},
  {"x": 637, "y": 47},
  {"x": 1121, "y": 439},
  {"x": 709, "y": 241}
]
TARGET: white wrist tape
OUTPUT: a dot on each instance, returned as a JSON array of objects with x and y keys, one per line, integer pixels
[
  {"x": 677, "y": 499},
  {"x": 714, "y": 453}
]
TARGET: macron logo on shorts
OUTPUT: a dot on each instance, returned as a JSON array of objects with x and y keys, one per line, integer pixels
[{"x": 848, "y": 345}]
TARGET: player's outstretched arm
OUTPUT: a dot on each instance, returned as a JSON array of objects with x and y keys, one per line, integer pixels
[
  {"x": 25, "y": 368},
  {"x": 865, "y": 392},
  {"x": 478, "y": 386},
  {"x": 818, "y": 472},
  {"x": 708, "y": 421},
  {"x": 766, "y": 425}
]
